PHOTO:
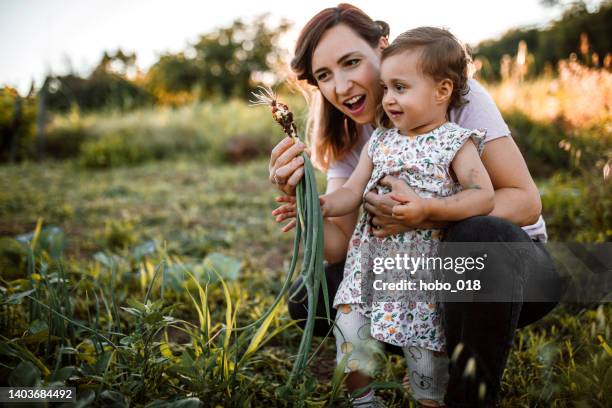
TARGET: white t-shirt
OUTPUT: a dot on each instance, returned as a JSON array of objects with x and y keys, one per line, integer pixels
[{"x": 480, "y": 112}]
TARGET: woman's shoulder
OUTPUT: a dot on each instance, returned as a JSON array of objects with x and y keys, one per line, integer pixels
[{"x": 480, "y": 112}]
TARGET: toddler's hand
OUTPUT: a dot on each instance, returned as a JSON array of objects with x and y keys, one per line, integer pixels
[
  {"x": 289, "y": 210},
  {"x": 413, "y": 209},
  {"x": 325, "y": 207},
  {"x": 285, "y": 211}
]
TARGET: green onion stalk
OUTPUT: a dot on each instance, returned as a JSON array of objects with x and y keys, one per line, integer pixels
[{"x": 309, "y": 231}]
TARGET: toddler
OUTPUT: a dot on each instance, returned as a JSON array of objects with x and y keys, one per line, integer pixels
[{"x": 423, "y": 75}]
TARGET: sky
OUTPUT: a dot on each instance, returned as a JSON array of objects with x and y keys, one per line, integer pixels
[{"x": 38, "y": 36}]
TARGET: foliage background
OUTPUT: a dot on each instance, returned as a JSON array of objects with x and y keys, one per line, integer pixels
[{"x": 124, "y": 193}]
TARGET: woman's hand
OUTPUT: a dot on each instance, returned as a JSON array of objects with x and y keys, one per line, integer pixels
[
  {"x": 286, "y": 165},
  {"x": 381, "y": 208}
]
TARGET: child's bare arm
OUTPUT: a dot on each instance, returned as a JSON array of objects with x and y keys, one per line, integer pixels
[
  {"x": 348, "y": 198},
  {"x": 477, "y": 196}
]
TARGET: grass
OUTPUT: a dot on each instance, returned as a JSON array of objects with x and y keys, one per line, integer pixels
[
  {"x": 134, "y": 269},
  {"x": 126, "y": 267}
]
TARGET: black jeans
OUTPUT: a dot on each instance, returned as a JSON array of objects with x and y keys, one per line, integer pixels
[{"x": 480, "y": 331}]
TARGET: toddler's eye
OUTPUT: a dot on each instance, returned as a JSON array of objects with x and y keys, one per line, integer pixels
[{"x": 399, "y": 87}]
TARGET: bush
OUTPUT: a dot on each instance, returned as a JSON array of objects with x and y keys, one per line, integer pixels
[
  {"x": 577, "y": 208},
  {"x": 113, "y": 149},
  {"x": 549, "y": 147},
  {"x": 134, "y": 145},
  {"x": 225, "y": 131},
  {"x": 63, "y": 142},
  {"x": 242, "y": 148},
  {"x": 17, "y": 125}
]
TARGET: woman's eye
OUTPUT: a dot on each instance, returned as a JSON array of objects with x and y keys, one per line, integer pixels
[
  {"x": 321, "y": 77},
  {"x": 352, "y": 62}
]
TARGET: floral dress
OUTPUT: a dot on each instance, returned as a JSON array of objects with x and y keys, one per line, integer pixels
[{"x": 423, "y": 162}]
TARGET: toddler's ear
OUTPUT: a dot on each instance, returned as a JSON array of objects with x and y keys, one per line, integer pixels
[{"x": 444, "y": 90}]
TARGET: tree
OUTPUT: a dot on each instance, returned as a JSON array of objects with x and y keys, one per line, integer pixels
[
  {"x": 17, "y": 125},
  {"x": 221, "y": 63},
  {"x": 107, "y": 86},
  {"x": 557, "y": 41}
]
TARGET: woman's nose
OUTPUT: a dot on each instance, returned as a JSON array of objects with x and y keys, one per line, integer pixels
[{"x": 343, "y": 84}]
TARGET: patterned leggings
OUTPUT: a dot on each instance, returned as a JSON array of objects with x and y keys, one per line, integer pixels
[{"x": 428, "y": 369}]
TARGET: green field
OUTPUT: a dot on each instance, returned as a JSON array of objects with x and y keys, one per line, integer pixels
[
  {"x": 120, "y": 227},
  {"x": 136, "y": 235}
]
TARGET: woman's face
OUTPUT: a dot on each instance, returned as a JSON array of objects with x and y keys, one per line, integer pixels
[{"x": 347, "y": 71}]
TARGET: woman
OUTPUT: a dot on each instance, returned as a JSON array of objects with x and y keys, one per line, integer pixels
[{"x": 338, "y": 52}]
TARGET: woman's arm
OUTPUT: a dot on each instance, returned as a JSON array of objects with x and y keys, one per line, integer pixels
[{"x": 517, "y": 198}]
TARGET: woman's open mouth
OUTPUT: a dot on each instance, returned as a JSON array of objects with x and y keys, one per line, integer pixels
[{"x": 356, "y": 104}]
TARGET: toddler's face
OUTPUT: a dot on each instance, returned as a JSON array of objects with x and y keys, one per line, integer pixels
[{"x": 409, "y": 95}]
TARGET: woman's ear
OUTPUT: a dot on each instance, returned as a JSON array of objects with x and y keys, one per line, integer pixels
[{"x": 444, "y": 90}]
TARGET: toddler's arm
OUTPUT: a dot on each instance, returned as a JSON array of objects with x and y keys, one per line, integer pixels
[
  {"x": 477, "y": 196},
  {"x": 348, "y": 198}
]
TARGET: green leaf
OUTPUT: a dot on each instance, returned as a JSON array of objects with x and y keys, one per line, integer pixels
[
  {"x": 15, "y": 298},
  {"x": 182, "y": 403},
  {"x": 85, "y": 399},
  {"x": 143, "y": 250},
  {"x": 50, "y": 239},
  {"x": 113, "y": 399},
  {"x": 225, "y": 266},
  {"x": 5, "y": 350},
  {"x": 106, "y": 260},
  {"x": 37, "y": 326},
  {"x": 62, "y": 374},
  {"x": 136, "y": 304},
  {"x": 153, "y": 318},
  {"x": 284, "y": 392},
  {"x": 103, "y": 361},
  {"x": 25, "y": 374}
]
